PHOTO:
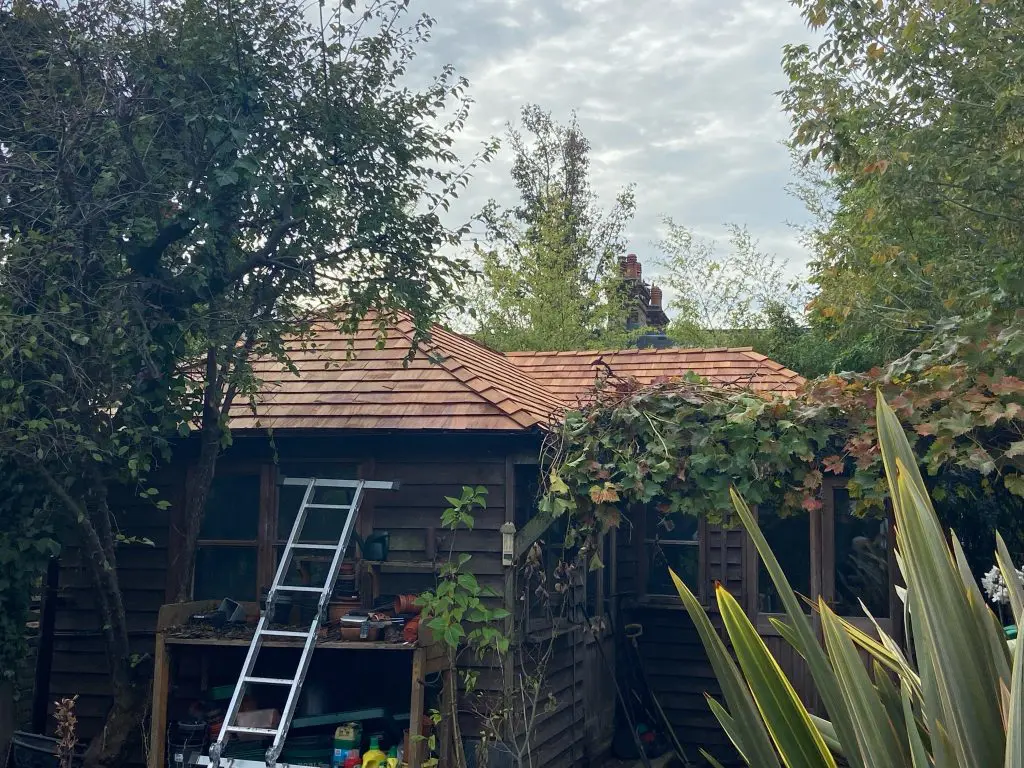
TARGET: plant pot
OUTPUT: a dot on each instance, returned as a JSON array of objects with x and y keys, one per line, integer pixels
[{"x": 282, "y": 608}]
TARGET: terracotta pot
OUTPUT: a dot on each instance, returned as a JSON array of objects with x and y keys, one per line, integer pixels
[
  {"x": 406, "y": 604},
  {"x": 340, "y": 608}
]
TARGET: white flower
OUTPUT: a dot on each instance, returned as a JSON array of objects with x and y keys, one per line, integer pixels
[{"x": 995, "y": 587}]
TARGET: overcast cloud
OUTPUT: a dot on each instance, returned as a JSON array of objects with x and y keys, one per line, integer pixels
[{"x": 676, "y": 96}]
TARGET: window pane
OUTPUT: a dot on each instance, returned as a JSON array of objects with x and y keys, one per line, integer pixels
[
  {"x": 321, "y": 524},
  {"x": 232, "y": 509},
  {"x": 670, "y": 527},
  {"x": 684, "y": 559},
  {"x": 790, "y": 541},
  {"x": 862, "y": 561},
  {"x": 307, "y": 569},
  {"x": 225, "y": 572}
]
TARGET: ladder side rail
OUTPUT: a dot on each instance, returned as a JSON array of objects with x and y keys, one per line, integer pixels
[
  {"x": 257, "y": 638},
  {"x": 307, "y": 651}
]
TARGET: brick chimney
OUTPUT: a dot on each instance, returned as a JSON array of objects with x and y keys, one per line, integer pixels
[
  {"x": 655, "y": 296},
  {"x": 630, "y": 267}
]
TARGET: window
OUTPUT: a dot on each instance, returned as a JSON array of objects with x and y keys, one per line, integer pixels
[
  {"x": 832, "y": 553},
  {"x": 228, "y": 548},
  {"x": 247, "y": 521},
  {"x": 861, "y": 563},
  {"x": 671, "y": 542},
  {"x": 790, "y": 541}
]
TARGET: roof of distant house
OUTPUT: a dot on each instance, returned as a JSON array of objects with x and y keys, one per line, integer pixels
[
  {"x": 570, "y": 376},
  {"x": 366, "y": 381}
]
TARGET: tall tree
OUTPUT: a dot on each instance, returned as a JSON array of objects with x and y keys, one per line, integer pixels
[
  {"x": 550, "y": 276},
  {"x": 183, "y": 185},
  {"x": 721, "y": 297},
  {"x": 914, "y": 109}
]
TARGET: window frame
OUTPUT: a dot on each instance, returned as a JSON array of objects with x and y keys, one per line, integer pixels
[
  {"x": 267, "y": 542},
  {"x": 264, "y": 473},
  {"x": 641, "y": 542},
  {"x": 822, "y": 562}
]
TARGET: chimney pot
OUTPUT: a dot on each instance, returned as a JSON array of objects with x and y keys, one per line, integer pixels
[
  {"x": 631, "y": 258},
  {"x": 655, "y": 296}
]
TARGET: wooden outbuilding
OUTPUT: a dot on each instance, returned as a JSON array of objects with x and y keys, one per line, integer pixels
[{"x": 454, "y": 414}]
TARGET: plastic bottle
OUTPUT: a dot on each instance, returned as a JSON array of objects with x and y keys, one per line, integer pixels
[
  {"x": 352, "y": 761},
  {"x": 374, "y": 757},
  {"x": 393, "y": 757}
]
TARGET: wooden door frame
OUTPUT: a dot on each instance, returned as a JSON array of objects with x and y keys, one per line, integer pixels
[{"x": 822, "y": 560}]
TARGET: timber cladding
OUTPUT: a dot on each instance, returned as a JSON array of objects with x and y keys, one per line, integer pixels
[{"x": 430, "y": 467}]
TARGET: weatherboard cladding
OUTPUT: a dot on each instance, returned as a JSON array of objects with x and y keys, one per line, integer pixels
[{"x": 367, "y": 381}]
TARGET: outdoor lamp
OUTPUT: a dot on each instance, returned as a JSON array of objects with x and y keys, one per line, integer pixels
[{"x": 508, "y": 543}]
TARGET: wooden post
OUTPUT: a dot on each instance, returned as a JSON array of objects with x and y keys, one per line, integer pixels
[
  {"x": 44, "y": 648},
  {"x": 158, "y": 720},
  {"x": 446, "y": 739},
  {"x": 416, "y": 750}
]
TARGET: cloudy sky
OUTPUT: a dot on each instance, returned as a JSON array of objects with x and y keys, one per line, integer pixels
[{"x": 676, "y": 96}]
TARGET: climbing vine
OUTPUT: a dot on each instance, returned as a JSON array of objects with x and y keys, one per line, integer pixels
[{"x": 680, "y": 444}]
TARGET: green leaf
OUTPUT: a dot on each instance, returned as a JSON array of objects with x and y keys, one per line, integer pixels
[
  {"x": 797, "y": 739},
  {"x": 752, "y": 739}
]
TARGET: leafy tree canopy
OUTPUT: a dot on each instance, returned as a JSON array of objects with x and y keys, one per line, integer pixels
[
  {"x": 913, "y": 108},
  {"x": 550, "y": 277},
  {"x": 183, "y": 185}
]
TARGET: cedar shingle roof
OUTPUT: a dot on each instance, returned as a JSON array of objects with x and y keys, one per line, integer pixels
[
  {"x": 455, "y": 383},
  {"x": 350, "y": 383},
  {"x": 570, "y": 376}
]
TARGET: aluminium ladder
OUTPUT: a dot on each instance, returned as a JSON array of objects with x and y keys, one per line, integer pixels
[{"x": 294, "y": 684}]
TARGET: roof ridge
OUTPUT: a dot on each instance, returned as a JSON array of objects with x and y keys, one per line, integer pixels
[{"x": 455, "y": 370}]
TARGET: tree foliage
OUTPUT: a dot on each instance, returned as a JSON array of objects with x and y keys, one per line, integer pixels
[
  {"x": 913, "y": 109},
  {"x": 184, "y": 186},
  {"x": 721, "y": 299},
  {"x": 550, "y": 277}
]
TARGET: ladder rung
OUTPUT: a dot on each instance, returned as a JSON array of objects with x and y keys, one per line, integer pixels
[
  {"x": 246, "y": 729},
  {"x": 283, "y": 633},
  {"x": 314, "y": 505},
  {"x": 319, "y": 547},
  {"x": 290, "y": 588},
  {"x": 269, "y": 680}
]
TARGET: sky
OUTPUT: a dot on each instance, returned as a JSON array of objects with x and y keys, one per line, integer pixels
[{"x": 675, "y": 96}]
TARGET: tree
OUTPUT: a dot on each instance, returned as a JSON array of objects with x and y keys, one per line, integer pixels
[
  {"x": 913, "y": 110},
  {"x": 184, "y": 186},
  {"x": 721, "y": 300},
  {"x": 550, "y": 276}
]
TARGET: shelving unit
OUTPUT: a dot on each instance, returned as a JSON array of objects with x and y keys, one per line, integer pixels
[{"x": 427, "y": 658}]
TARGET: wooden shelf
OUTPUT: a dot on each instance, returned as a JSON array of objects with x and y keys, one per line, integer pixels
[
  {"x": 243, "y": 642},
  {"x": 402, "y": 566}
]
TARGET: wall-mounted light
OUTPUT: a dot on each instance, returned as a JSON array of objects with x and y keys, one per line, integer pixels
[{"x": 508, "y": 543}]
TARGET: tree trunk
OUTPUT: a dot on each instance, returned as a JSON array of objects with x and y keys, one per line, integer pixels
[
  {"x": 108, "y": 748},
  {"x": 200, "y": 481}
]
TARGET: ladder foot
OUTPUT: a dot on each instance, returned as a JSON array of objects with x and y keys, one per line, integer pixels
[
  {"x": 273, "y": 752},
  {"x": 215, "y": 755}
]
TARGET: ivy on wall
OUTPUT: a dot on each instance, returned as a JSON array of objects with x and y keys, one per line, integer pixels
[{"x": 680, "y": 444}]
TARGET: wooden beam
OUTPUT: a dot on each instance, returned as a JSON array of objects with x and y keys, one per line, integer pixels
[
  {"x": 535, "y": 528},
  {"x": 416, "y": 744}
]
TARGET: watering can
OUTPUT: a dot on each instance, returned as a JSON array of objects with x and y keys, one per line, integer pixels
[{"x": 375, "y": 546}]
